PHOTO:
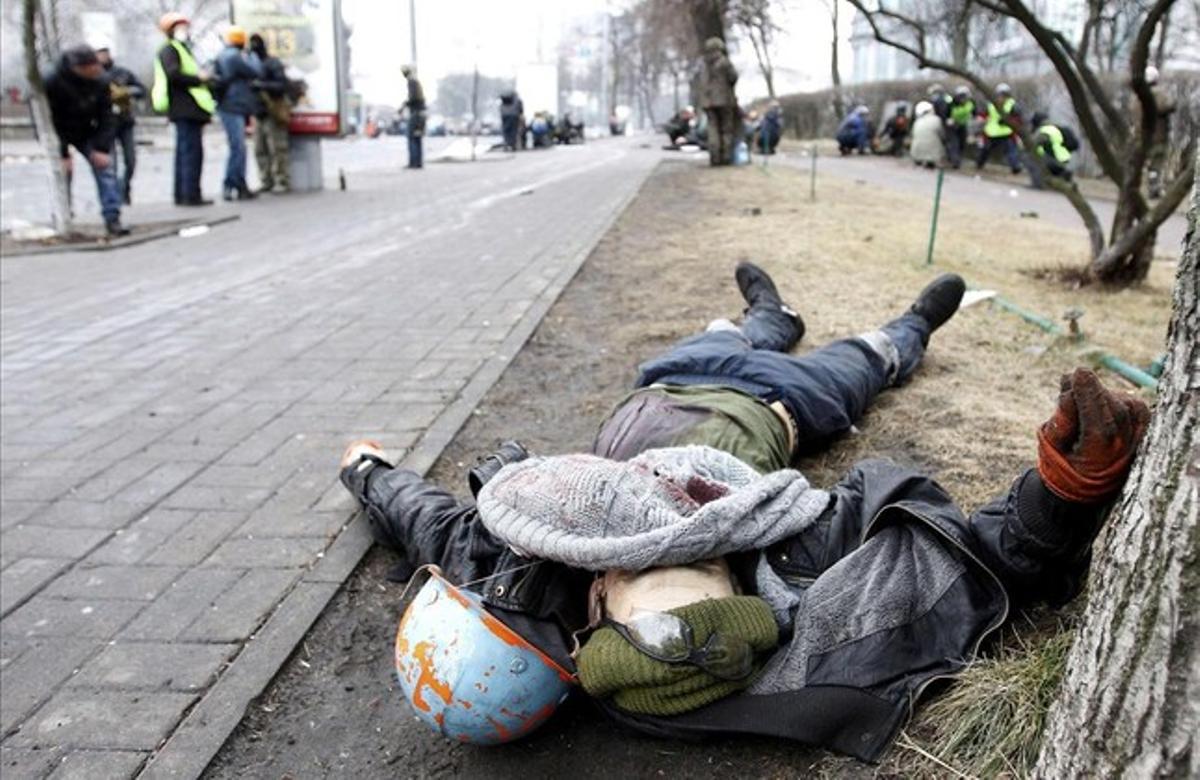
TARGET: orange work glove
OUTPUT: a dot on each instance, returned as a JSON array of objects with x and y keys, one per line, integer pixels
[{"x": 1085, "y": 448}]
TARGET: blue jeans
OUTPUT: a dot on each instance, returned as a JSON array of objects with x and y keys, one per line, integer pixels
[
  {"x": 107, "y": 187},
  {"x": 189, "y": 159},
  {"x": 128, "y": 149},
  {"x": 826, "y": 390},
  {"x": 416, "y": 157},
  {"x": 235, "y": 166},
  {"x": 1008, "y": 145}
]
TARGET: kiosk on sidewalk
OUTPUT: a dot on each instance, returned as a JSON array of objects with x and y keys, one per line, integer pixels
[{"x": 310, "y": 39}]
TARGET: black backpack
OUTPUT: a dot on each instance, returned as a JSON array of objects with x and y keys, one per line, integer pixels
[{"x": 1070, "y": 140}]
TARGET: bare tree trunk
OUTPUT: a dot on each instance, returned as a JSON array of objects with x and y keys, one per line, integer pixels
[
  {"x": 1129, "y": 705},
  {"x": 960, "y": 41},
  {"x": 60, "y": 200},
  {"x": 839, "y": 105}
]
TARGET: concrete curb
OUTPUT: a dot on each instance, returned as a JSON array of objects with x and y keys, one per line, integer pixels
[
  {"x": 204, "y": 730},
  {"x": 104, "y": 246}
]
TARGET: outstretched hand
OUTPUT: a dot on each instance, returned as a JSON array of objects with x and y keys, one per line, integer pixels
[{"x": 1085, "y": 448}]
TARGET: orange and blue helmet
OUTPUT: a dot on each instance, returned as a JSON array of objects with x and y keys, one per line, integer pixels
[{"x": 466, "y": 674}]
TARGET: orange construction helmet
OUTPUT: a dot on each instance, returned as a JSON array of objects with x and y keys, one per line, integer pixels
[
  {"x": 168, "y": 21},
  {"x": 235, "y": 36}
]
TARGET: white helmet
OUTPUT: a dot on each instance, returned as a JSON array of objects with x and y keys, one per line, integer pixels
[
  {"x": 924, "y": 107},
  {"x": 1003, "y": 89},
  {"x": 1151, "y": 74}
]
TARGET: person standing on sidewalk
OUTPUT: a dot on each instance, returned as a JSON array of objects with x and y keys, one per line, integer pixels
[
  {"x": 271, "y": 133},
  {"x": 236, "y": 105},
  {"x": 720, "y": 102},
  {"x": 180, "y": 91},
  {"x": 81, "y": 110},
  {"x": 124, "y": 88},
  {"x": 998, "y": 130},
  {"x": 416, "y": 117}
]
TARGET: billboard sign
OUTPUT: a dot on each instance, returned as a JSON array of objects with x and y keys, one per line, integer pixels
[{"x": 307, "y": 36}]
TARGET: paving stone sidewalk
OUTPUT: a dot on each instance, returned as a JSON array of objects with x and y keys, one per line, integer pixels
[{"x": 172, "y": 416}]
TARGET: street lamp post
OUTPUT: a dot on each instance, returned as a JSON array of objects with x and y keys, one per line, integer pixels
[{"x": 412, "y": 29}]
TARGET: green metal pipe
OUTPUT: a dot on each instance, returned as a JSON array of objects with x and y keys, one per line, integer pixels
[
  {"x": 1111, "y": 362},
  {"x": 1028, "y": 316},
  {"x": 937, "y": 202},
  {"x": 1132, "y": 373}
]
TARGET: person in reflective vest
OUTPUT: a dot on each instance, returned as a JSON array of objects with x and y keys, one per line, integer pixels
[
  {"x": 1052, "y": 147},
  {"x": 962, "y": 111},
  {"x": 998, "y": 130},
  {"x": 181, "y": 91}
]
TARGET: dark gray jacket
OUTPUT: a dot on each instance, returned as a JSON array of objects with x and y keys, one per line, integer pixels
[
  {"x": 236, "y": 73},
  {"x": 893, "y": 588}
]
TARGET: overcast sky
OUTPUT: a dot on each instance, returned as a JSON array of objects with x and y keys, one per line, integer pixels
[{"x": 452, "y": 36}]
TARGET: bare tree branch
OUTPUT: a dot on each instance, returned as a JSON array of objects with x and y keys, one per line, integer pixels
[
  {"x": 1130, "y": 239},
  {"x": 1075, "y": 87}
]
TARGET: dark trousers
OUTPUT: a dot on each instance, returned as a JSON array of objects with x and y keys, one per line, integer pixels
[
  {"x": 1006, "y": 143},
  {"x": 826, "y": 390},
  {"x": 508, "y": 126},
  {"x": 128, "y": 146},
  {"x": 956, "y": 144},
  {"x": 416, "y": 155},
  {"x": 722, "y": 134},
  {"x": 189, "y": 159}
]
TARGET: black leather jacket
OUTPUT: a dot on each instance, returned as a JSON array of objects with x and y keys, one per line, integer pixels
[{"x": 1025, "y": 545}]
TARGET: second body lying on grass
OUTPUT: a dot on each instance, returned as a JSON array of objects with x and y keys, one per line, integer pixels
[{"x": 787, "y": 610}]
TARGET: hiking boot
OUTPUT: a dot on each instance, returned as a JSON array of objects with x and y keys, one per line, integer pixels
[
  {"x": 757, "y": 287},
  {"x": 939, "y": 300},
  {"x": 114, "y": 229},
  {"x": 756, "y": 284}
]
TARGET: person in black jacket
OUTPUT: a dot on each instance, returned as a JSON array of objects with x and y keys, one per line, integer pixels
[
  {"x": 888, "y": 542},
  {"x": 82, "y": 112},
  {"x": 415, "y": 104},
  {"x": 181, "y": 92},
  {"x": 124, "y": 88},
  {"x": 271, "y": 130}
]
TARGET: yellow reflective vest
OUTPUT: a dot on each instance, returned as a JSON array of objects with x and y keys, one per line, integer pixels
[
  {"x": 1052, "y": 134},
  {"x": 994, "y": 127},
  {"x": 160, "y": 93}
]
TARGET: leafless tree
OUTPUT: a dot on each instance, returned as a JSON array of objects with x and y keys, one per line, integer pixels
[
  {"x": 755, "y": 18},
  {"x": 33, "y": 18},
  {"x": 1121, "y": 146}
]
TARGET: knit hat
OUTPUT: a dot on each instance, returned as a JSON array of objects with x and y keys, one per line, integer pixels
[
  {"x": 663, "y": 508},
  {"x": 609, "y": 666},
  {"x": 80, "y": 56}
]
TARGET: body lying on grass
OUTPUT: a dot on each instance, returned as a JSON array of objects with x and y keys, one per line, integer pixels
[{"x": 694, "y": 585}]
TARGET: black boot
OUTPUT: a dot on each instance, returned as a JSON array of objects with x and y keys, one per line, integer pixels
[
  {"x": 115, "y": 229},
  {"x": 245, "y": 193},
  {"x": 756, "y": 284},
  {"x": 758, "y": 288},
  {"x": 939, "y": 300}
]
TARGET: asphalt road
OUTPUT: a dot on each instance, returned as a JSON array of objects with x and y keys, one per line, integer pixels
[{"x": 173, "y": 413}]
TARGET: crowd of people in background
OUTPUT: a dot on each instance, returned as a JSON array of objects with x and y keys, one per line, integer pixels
[
  {"x": 92, "y": 107},
  {"x": 940, "y": 128}
]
